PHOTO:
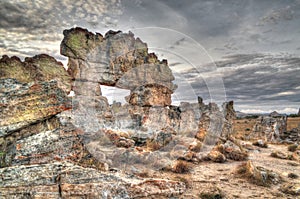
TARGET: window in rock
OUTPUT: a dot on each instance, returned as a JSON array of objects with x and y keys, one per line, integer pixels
[{"x": 114, "y": 94}]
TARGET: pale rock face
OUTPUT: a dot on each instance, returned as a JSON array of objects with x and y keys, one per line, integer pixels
[
  {"x": 64, "y": 145},
  {"x": 270, "y": 128},
  {"x": 24, "y": 104},
  {"x": 35, "y": 69},
  {"x": 65, "y": 179},
  {"x": 121, "y": 60},
  {"x": 150, "y": 95}
]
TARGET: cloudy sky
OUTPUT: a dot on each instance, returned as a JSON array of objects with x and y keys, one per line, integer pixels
[{"x": 247, "y": 50}]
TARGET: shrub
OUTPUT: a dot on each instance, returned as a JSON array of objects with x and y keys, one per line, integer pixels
[
  {"x": 293, "y": 175},
  {"x": 292, "y": 147},
  {"x": 181, "y": 167}
]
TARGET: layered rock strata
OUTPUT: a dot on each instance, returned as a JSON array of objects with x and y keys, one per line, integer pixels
[{"x": 55, "y": 146}]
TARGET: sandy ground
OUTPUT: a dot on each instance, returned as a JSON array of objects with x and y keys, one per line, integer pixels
[
  {"x": 210, "y": 176},
  {"x": 206, "y": 176}
]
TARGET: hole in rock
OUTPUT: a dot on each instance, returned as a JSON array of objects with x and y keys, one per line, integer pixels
[{"x": 114, "y": 94}]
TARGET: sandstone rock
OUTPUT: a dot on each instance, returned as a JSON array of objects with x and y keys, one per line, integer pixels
[
  {"x": 260, "y": 143},
  {"x": 157, "y": 188},
  {"x": 232, "y": 151},
  {"x": 150, "y": 95},
  {"x": 118, "y": 59},
  {"x": 258, "y": 175},
  {"x": 230, "y": 115},
  {"x": 210, "y": 125},
  {"x": 178, "y": 152},
  {"x": 39, "y": 68},
  {"x": 292, "y": 136},
  {"x": 290, "y": 188},
  {"x": 63, "y": 179},
  {"x": 211, "y": 191},
  {"x": 296, "y": 156},
  {"x": 216, "y": 156},
  {"x": 161, "y": 139},
  {"x": 23, "y": 104},
  {"x": 119, "y": 140},
  {"x": 269, "y": 128},
  {"x": 189, "y": 114},
  {"x": 195, "y": 146},
  {"x": 280, "y": 155},
  {"x": 158, "y": 74}
]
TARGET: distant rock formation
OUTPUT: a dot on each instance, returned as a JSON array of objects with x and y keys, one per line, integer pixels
[
  {"x": 276, "y": 114},
  {"x": 270, "y": 128}
]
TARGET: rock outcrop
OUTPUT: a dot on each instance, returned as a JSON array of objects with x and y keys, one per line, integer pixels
[
  {"x": 71, "y": 146},
  {"x": 67, "y": 180},
  {"x": 258, "y": 175},
  {"x": 121, "y": 60},
  {"x": 292, "y": 136},
  {"x": 269, "y": 128},
  {"x": 40, "y": 68},
  {"x": 23, "y": 104}
]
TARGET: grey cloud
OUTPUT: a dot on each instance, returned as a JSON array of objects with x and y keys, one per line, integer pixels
[
  {"x": 275, "y": 16},
  {"x": 257, "y": 78},
  {"x": 25, "y": 24}
]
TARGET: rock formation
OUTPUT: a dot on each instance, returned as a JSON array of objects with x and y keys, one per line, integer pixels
[
  {"x": 35, "y": 69},
  {"x": 24, "y": 104},
  {"x": 70, "y": 146},
  {"x": 270, "y": 128},
  {"x": 121, "y": 60}
]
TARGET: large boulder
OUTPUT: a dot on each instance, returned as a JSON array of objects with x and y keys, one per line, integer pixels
[
  {"x": 23, "y": 104},
  {"x": 35, "y": 69},
  {"x": 270, "y": 128},
  {"x": 118, "y": 59},
  {"x": 67, "y": 180}
]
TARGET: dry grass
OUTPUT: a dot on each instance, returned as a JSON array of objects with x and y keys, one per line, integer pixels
[
  {"x": 243, "y": 128},
  {"x": 211, "y": 191},
  {"x": 263, "y": 145},
  {"x": 181, "y": 167},
  {"x": 292, "y": 147},
  {"x": 188, "y": 183},
  {"x": 257, "y": 175},
  {"x": 293, "y": 122},
  {"x": 152, "y": 145},
  {"x": 196, "y": 148}
]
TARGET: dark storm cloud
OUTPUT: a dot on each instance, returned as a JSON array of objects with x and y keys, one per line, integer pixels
[
  {"x": 258, "y": 78},
  {"x": 24, "y": 25},
  {"x": 223, "y": 26},
  {"x": 51, "y": 15}
]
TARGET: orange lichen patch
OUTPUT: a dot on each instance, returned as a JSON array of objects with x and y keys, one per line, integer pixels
[
  {"x": 35, "y": 87},
  {"x": 21, "y": 157},
  {"x": 200, "y": 135},
  {"x": 18, "y": 147}
]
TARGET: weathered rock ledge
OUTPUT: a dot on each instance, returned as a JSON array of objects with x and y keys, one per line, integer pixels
[{"x": 55, "y": 146}]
